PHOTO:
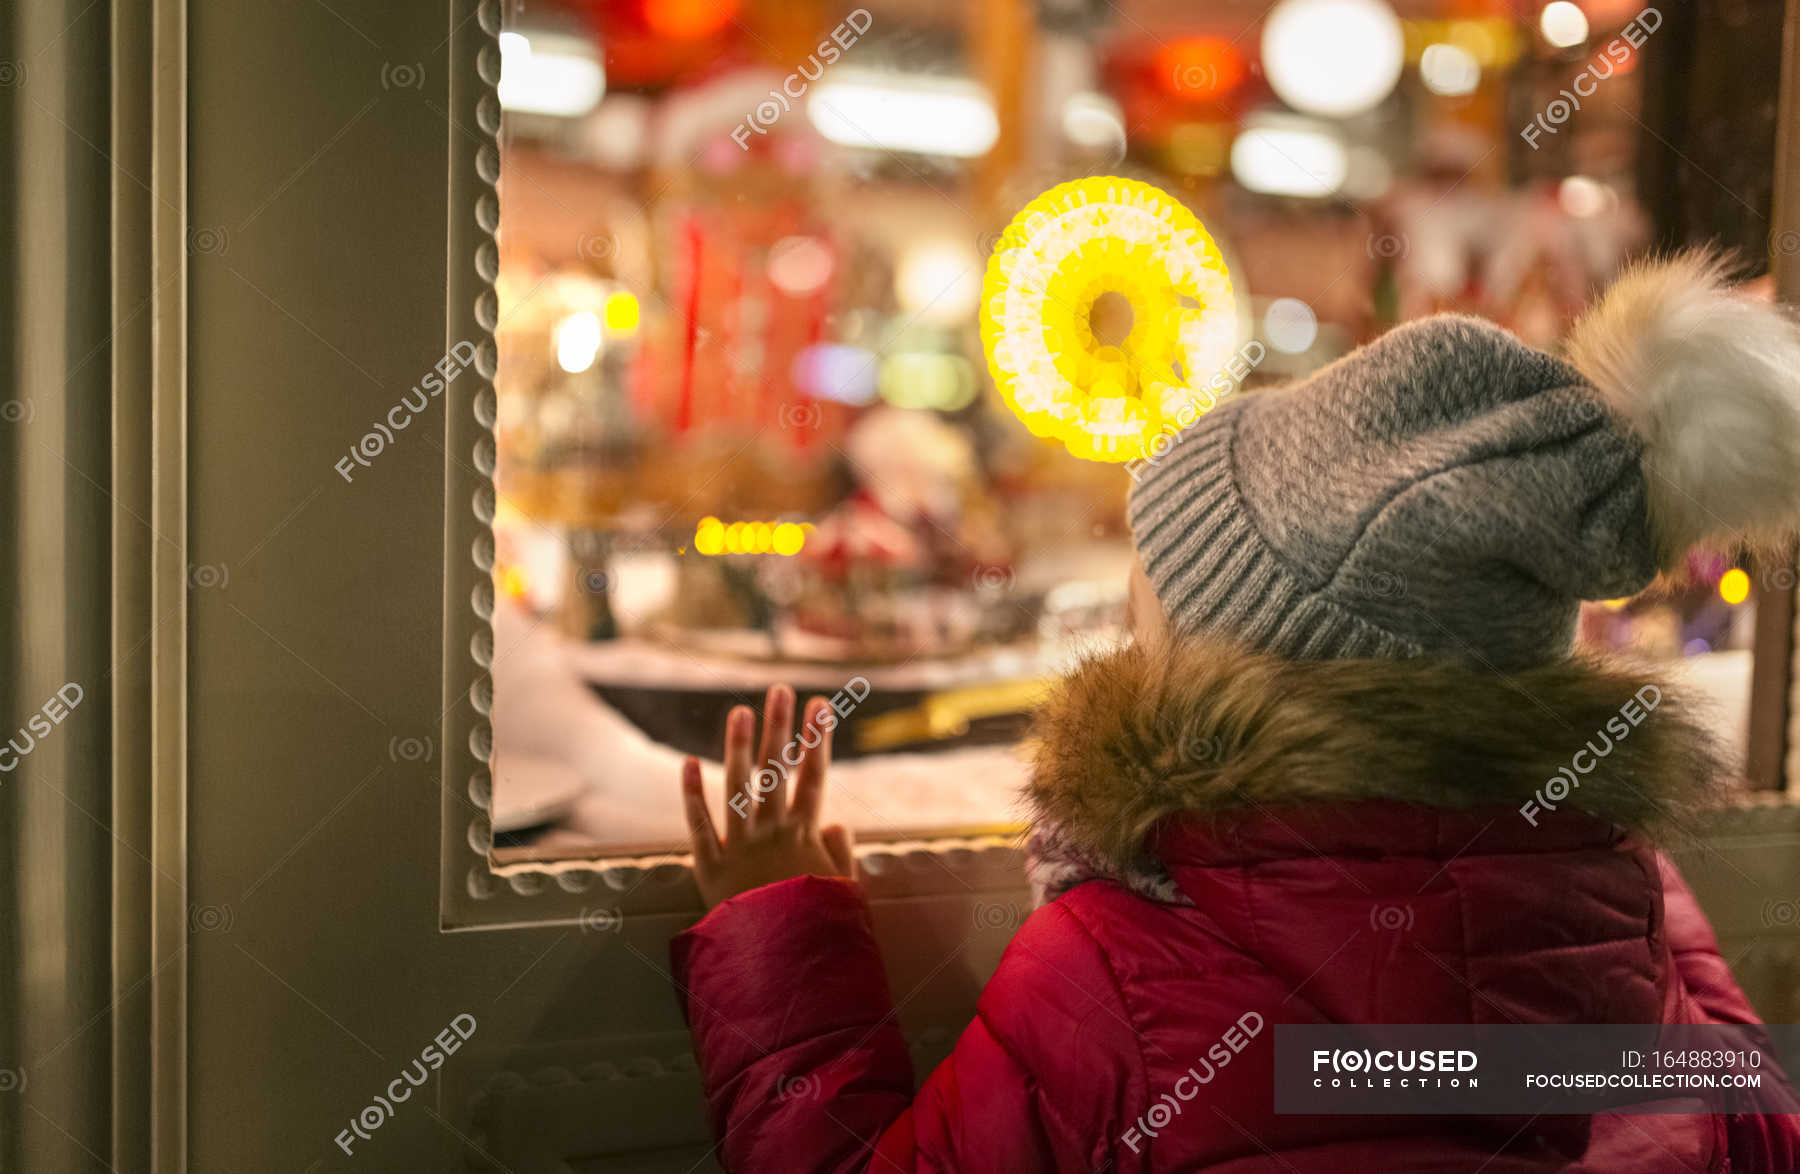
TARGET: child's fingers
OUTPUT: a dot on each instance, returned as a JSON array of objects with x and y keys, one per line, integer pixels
[
  {"x": 699, "y": 819},
  {"x": 841, "y": 847},
  {"x": 769, "y": 778},
  {"x": 809, "y": 783},
  {"x": 740, "y": 727}
]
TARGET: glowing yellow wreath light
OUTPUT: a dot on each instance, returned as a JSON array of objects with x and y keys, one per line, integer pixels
[{"x": 1107, "y": 399}]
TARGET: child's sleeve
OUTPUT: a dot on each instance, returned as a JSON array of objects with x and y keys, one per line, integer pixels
[
  {"x": 1757, "y": 1141},
  {"x": 805, "y": 1070},
  {"x": 1696, "y": 951}
]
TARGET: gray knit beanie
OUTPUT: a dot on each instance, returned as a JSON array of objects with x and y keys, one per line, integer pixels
[{"x": 1449, "y": 490}]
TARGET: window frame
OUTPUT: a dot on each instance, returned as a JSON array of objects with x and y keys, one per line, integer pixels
[{"x": 603, "y": 890}]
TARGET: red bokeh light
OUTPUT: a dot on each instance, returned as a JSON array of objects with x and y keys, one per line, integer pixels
[
  {"x": 688, "y": 20},
  {"x": 1199, "y": 69}
]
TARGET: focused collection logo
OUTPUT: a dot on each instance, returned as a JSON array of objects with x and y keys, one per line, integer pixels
[
  {"x": 1170, "y": 1105},
  {"x": 1405, "y": 1068}
]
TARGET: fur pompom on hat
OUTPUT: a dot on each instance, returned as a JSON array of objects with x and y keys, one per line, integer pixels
[{"x": 1449, "y": 490}]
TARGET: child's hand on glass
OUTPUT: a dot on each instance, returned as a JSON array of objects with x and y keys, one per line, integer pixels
[{"x": 767, "y": 838}]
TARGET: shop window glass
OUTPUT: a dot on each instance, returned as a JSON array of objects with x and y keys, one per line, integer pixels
[{"x": 746, "y": 427}]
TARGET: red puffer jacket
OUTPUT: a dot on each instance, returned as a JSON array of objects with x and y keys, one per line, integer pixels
[{"x": 1305, "y": 879}]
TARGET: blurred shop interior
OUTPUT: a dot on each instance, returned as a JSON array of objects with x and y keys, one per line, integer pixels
[{"x": 746, "y": 430}]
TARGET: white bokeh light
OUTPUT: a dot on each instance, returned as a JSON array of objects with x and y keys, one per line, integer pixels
[
  {"x": 1563, "y": 24},
  {"x": 1093, "y": 121},
  {"x": 1289, "y": 156},
  {"x": 798, "y": 265},
  {"x": 922, "y": 113},
  {"x": 549, "y": 73},
  {"x": 1290, "y": 326},
  {"x": 939, "y": 281},
  {"x": 1583, "y": 198},
  {"x": 578, "y": 342},
  {"x": 1449, "y": 70},
  {"x": 1333, "y": 57}
]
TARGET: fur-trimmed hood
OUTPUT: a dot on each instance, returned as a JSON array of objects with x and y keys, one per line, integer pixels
[{"x": 1200, "y": 726}]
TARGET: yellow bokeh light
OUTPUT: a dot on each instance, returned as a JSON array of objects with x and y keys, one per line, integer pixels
[
  {"x": 789, "y": 538},
  {"x": 709, "y": 536},
  {"x": 512, "y": 582},
  {"x": 1734, "y": 586},
  {"x": 713, "y": 537},
  {"x": 621, "y": 312},
  {"x": 1059, "y": 370}
]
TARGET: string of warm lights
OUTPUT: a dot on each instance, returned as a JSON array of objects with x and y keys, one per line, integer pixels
[{"x": 713, "y": 537}]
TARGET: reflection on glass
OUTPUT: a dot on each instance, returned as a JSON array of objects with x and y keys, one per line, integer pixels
[{"x": 746, "y": 429}]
